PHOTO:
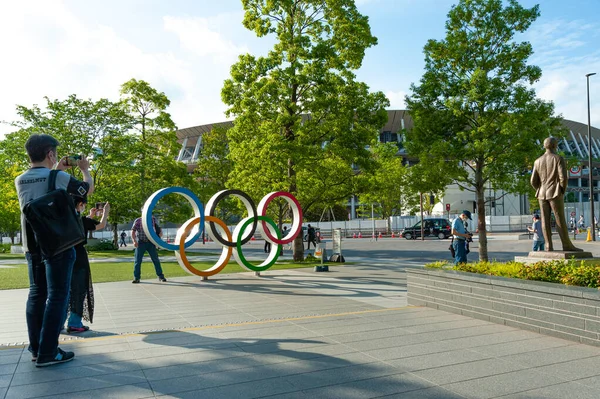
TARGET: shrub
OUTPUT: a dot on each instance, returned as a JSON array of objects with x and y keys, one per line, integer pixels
[
  {"x": 581, "y": 275},
  {"x": 5, "y": 248},
  {"x": 549, "y": 271},
  {"x": 103, "y": 245},
  {"x": 570, "y": 272}
]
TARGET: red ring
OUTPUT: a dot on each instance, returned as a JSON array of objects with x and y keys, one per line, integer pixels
[{"x": 270, "y": 197}]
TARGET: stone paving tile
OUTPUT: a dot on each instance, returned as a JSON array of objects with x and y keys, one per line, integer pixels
[
  {"x": 85, "y": 360},
  {"x": 371, "y": 388},
  {"x": 568, "y": 390},
  {"x": 75, "y": 385},
  {"x": 533, "y": 344},
  {"x": 5, "y": 380},
  {"x": 574, "y": 369},
  {"x": 130, "y": 391},
  {"x": 3, "y": 392},
  {"x": 427, "y": 393},
  {"x": 439, "y": 359},
  {"x": 274, "y": 387},
  {"x": 339, "y": 375},
  {"x": 467, "y": 371},
  {"x": 35, "y": 375},
  {"x": 8, "y": 369},
  {"x": 549, "y": 356},
  {"x": 503, "y": 384},
  {"x": 10, "y": 359}
]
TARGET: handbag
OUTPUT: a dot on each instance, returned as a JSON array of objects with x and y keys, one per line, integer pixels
[
  {"x": 53, "y": 220},
  {"x": 451, "y": 248}
]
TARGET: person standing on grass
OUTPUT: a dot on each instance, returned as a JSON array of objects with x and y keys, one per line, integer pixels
[
  {"x": 49, "y": 277},
  {"x": 142, "y": 245},
  {"x": 538, "y": 234},
  {"x": 81, "y": 303}
]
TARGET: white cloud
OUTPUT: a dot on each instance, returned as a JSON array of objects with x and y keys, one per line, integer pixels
[
  {"x": 195, "y": 35},
  {"x": 50, "y": 51},
  {"x": 562, "y": 50},
  {"x": 396, "y": 99}
]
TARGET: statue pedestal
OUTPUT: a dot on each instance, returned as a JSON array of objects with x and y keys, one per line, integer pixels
[{"x": 537, "y": 256}]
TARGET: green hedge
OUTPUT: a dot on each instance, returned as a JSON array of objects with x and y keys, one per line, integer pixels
[
  {"x": 571, "y": 272},
  {"x": 102, "y": 245}
]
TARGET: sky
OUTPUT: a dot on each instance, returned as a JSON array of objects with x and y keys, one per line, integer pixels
[{"x": 54, "y": 48}]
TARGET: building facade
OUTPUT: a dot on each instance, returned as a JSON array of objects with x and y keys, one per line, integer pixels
[{"x": 574, "y": 145}]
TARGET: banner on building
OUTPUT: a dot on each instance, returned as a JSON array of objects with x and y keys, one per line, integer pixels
[{"x": 575, "y": 171}]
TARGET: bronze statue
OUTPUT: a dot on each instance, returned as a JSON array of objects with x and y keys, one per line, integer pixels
[{"x": 550, "y": 179}]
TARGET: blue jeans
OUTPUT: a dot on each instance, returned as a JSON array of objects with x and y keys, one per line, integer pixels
[
  {"x": 49, "y": 285},
  {"x": 74, "y": 320},
  {"x": 139, "y": 255},
  {"x": 460, "y": 249},
  {"x": 538, "y": 245}
]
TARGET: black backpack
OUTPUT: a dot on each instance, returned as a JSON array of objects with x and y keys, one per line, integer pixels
[{"x": 54, "y": 221}]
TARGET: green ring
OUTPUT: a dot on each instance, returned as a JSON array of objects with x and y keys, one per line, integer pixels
[{"x": 239, "y": 245}]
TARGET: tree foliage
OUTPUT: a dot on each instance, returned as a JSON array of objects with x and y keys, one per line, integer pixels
[
  {"x": 386, "y": 184},
  {"x": 302, "y": 120},
  {"x": 474, "y": 107},
  {"x": 131, "y": 144}
]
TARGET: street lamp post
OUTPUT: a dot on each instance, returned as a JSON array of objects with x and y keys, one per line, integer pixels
[{"x": 591, "y": 175}]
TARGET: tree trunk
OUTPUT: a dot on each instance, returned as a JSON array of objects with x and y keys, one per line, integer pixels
[
  {"x": 481, "y": 226},
  {"x": 298, "y": 248},
  {"x": 115, "y": 235}
]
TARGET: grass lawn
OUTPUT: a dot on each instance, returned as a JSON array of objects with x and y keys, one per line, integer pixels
[
  {"x": 11, "y": 278},
  {"x": 114, "y": 254}
]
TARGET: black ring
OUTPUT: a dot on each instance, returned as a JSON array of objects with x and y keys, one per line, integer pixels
[{"x": 211, "y": 212}]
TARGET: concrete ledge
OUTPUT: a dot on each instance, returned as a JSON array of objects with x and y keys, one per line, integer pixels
[{"x": 568, "y": 312}]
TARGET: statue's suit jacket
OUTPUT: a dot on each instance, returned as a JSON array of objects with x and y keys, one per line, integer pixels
[{"x": 549, "y": 176}]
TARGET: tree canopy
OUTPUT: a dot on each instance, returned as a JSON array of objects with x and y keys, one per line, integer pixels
[
  {"x": 303, "y": 122},
  {"x": 474, "y": 107}
]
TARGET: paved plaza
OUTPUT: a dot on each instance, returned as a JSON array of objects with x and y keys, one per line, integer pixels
[{"x": 348, "y": 333}]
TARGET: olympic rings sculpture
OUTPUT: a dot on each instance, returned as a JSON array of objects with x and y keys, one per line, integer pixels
[{"x": 205, "y": 220}]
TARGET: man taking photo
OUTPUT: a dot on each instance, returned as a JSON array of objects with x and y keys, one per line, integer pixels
[{"x": 49, "y": 277}]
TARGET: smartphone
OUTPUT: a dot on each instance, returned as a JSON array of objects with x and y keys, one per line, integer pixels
[
  {"x": 73, "y": 159},
  {"x": 100, "y": 205}
]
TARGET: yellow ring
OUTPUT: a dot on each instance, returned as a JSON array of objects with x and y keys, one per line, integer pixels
[{"x": 182, "y": 258}]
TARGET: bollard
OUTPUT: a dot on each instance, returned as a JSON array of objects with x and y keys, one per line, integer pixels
[{"x": 589, "y": 235}]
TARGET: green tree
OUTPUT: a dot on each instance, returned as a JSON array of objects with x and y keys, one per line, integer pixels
[
  {"x": 386, "y": 184},
  {"x": 10, "y": 211},
  {"x": 153, "y": 163},
  {"x": 96, "y": 129},
  {"x": 302, "y": 120},
  {"x": 474, "y": 107}
]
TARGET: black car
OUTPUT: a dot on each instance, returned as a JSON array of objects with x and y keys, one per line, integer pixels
[{"x": 439, "y": 228}]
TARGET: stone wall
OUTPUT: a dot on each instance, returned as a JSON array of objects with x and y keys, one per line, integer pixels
[{"x": 567, "y": 312}]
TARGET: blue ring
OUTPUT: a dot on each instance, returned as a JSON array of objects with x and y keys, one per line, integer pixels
[{"x": 151, "y": 203}]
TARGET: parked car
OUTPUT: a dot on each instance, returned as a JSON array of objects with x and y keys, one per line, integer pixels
[{"x": 437, "y": 227}]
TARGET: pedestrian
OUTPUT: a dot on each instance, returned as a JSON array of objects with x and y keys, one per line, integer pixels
[
  {"x": 572, "y": 222},
  {"x": 538, "y": 234},
  {"x": 123, "y": 236},
  {"x": 284, "y": 234},
  {"x": 81, "y": 302},
  {"x": 267, "y": 246},
  {"x": 142, "y": 245},
  {"x": 49, "y": 277},
  {"x": 460, "y": 237},
  {"x": 311, "y": 237},
  {"x": 581, "y": 222}
]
